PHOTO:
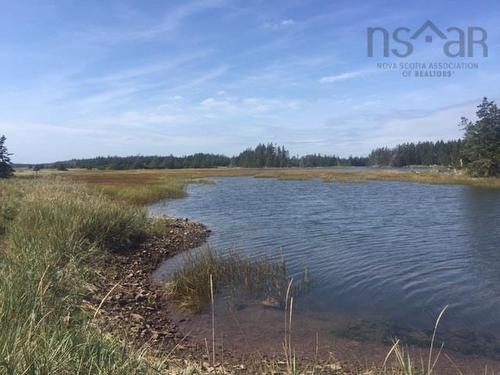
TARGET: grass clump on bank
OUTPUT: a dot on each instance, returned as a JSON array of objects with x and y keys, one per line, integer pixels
[
  {"x": 56, "y": 233},
  {"x": 261, "y": 278}
]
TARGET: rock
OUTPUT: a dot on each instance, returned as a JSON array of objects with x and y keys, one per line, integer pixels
[
  {"x": 141, "y": 296},
  {"x": 137, "y": 318}
]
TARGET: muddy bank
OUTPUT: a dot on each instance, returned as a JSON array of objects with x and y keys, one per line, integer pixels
[{"x": 134, "y": 308}]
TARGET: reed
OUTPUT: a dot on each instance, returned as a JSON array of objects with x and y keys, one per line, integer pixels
[
  {"x": 406, "y": 365},
  {"x": 290, "y": 360},
  {"x": 189, "y": 286}
]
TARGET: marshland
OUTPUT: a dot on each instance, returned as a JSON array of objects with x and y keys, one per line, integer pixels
[
  {"x": 281, "y": 266},
  {"x": 195, "y": 187}
]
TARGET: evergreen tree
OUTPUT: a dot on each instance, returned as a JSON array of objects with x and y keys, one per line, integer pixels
[
  {"x": 6, "y": 169},
  {"x": 422, "y": 153},
  {"x": 481, "y": 144}
]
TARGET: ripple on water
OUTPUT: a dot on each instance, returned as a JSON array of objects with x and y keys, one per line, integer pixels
[{"x": 400, "y": 251}]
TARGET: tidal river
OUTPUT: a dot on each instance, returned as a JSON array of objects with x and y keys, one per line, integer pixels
[{"x": 384, "y": 257}]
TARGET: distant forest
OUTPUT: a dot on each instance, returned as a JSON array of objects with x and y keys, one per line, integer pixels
[
  {"x": 478, "y": 151},
  {"x": 273, "y": 156},
  {"x": 423, "y": 153}
]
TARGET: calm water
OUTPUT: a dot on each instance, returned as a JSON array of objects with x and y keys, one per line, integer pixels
[{"x": 392, "y": 253}]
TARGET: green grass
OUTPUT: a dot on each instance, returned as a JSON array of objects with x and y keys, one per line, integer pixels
[
  {"x": 11, "y": 193},
  {"x": 55, "y": 234}
]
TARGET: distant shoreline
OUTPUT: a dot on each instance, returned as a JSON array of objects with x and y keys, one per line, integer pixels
[{"x": 131, "y": 178}]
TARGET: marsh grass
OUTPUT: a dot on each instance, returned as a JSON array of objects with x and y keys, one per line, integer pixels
[
  {"x": 140, "y": 187},
  {"x": 11, "y": 193},
  {"x": 359, "y": 176},
  {"x": 261, "y": 278},
  {"x": 56, "y": 234}
]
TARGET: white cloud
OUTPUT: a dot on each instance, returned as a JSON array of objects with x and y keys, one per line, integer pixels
[
  {"x": 214, "y": 104},
  {"x": 341, "y": 77},
  {"x": 287, "y": 22},
  {"x": 246, "y": 106},
  {"x": 280, "y": 24},
  {"x": 437, "y": 125}
]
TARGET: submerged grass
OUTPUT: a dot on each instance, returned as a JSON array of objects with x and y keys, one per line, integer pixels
[{"x": 190, "y": 285}]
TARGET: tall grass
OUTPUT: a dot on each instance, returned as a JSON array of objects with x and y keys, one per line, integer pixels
[
  {"x": 11, "y": 193},
  {"x": 191, "y": 289},
  {"x": 54, "y": 230}
]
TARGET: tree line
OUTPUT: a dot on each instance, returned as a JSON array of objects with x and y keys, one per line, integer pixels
[
  {"x": 478, "y": 151},
  {"x": 199, "y": 160},
  {"x": 273, "y": 156},
  {"x": 262, "y": 156},
  {"x": 422, "y": 153}
]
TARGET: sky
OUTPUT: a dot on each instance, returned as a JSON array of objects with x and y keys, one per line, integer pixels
[{"x": 87, "y": 78}]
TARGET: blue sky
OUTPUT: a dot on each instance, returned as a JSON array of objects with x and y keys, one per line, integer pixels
[{"x": 87, "y": 78}]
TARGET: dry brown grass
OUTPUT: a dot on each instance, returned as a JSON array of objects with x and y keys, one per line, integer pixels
[
  {"x": 134, "y": 178},
  {"x": 147, "y": 186}
]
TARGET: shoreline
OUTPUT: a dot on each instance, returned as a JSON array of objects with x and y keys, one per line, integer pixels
[
  {"x": 135, "y": 310},
  {"x": 147, "y": 186},
  {"x": 130, "y": 306},
  {"x": 131, "y": 303}
]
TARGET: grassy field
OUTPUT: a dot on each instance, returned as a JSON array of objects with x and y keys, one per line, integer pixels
[{"x": 54, "y": 231}]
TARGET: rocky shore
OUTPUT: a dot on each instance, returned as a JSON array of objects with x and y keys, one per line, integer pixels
[{"x": 129, "y": 304}]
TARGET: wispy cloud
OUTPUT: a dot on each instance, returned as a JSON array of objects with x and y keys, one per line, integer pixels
[
  {"x": 167, "y": 27},
  {"x": 218, "y": 75},
  {"x": 252, "y": 106},
  {"x": 285, "y": 23},
  {"x": 341, "y": 77}
]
